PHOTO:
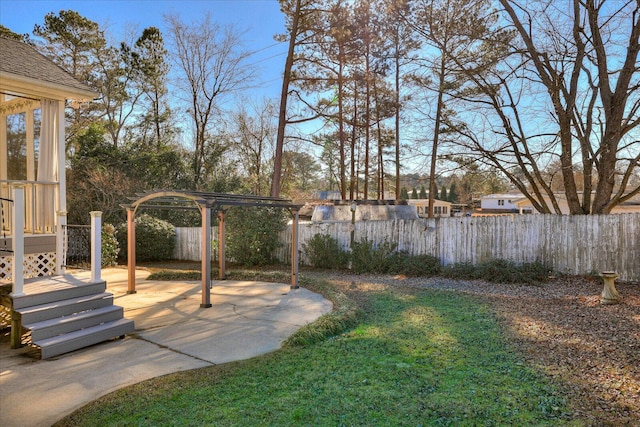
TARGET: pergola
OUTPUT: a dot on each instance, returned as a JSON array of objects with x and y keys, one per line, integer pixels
[{"x": 206, "y": 203}]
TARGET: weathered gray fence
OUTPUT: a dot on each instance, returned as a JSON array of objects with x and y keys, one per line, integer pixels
[
  {"x": 568, "y": 244},
  {"x": 188, "y": 243}
]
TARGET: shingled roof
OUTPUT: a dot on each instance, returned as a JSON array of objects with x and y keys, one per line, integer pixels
[{"x": 22, "y": 62}]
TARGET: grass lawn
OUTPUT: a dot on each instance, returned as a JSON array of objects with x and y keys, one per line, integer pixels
[{"x": 414, "y": 358}]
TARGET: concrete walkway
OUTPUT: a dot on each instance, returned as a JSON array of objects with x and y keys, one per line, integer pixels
[{"x": 172, "y": 334}]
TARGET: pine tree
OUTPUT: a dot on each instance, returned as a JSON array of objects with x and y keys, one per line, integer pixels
[
  {"x": 404, "y": 195},
  {"x": 453, "y": 193}
]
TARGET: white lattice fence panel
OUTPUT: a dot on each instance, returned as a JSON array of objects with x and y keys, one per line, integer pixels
[
  {"x": 5, "y": 267},
  {"x": 35, "y": 265}
]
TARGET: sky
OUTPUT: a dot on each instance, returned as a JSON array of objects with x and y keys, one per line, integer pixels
[{"x": 261, "y": 19}]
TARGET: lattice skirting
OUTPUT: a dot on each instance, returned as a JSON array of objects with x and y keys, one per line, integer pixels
[{"x": 35, "y": 265}]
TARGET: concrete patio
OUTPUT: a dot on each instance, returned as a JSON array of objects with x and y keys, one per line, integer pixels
[{"x": 172, "y": 334}]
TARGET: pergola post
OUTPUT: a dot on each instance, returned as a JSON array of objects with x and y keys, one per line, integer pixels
[
  {"x": 222, "y": 274},
  {"x": 131, "y": 252},
  {"x": 206, "y": 256},
  {"x": 294, "y": 249}
]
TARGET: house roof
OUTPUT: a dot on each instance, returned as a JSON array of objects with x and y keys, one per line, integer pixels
[
  {"x": 503, "y": 196},
  {"x": 425, "y": 202},
  {"x": 22, "y": 66}
]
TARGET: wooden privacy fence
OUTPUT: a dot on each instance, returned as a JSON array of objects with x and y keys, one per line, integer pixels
[{"x": 569, "y": 244}]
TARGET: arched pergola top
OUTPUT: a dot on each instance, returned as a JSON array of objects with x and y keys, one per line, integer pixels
[
  {"x": 206, "y": 203},
  {"x": 185, "y": 199}
]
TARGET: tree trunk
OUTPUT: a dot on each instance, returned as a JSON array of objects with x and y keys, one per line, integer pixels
[
  {"x": 282, "y": 113},
  {"x": 436, "y": 137}
]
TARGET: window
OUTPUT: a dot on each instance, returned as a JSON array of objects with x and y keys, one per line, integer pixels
[
  {"x": 500, "y": 202},
  {"x": 23, "y": 144}
]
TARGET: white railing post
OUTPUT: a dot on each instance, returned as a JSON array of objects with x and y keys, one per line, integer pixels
[
  {"x": 96, "y": 246},
  {"x": 17, "y": 242},
  {"x": 61, "y": 243}
]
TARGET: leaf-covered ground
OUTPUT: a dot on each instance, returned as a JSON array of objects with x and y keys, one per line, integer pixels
[{"x": 591, "y": 350}]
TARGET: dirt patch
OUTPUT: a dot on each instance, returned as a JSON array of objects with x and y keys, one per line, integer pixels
[{"x": 591, "y": 350}]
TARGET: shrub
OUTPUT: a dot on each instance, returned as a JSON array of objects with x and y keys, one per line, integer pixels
[
  {"x": 412, "y": 265},
  {"x": 384, "y": 259},
  {"x": 323, "y": 251},
  {"x": 461, "y": 271},
  {"x": 499, "y": 271},
  {"x": 110, "y": 246},
  {"x": 252, "y": 234},
  {"x": 366, "y": 258},
  {"x": 155, "y": 238}
]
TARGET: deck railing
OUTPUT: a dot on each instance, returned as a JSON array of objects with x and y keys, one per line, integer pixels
[
  {"x": 17, "y": 205},
  {"x": 40, "y": 206},
  {"x": 5, "y": 247},
  {"x": 77, "y": 246}
]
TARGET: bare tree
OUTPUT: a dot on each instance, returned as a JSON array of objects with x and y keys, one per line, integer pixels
[
  {"x": 253, "y": 128},
  {"x": 566, "y": 89},
  {"x": 214, "y": 65}
]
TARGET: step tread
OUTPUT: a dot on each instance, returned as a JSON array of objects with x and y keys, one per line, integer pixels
[
  {"x": 84, "y": 338},
  {"x": 56, "y": 283},
  {"x": 45, "y": 295},
  {"x": 72, "y": 317},
  {"x": 66, "y": 302}
]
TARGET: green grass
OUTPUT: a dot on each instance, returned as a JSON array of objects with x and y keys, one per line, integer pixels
[{"x": 414, "y": 358}]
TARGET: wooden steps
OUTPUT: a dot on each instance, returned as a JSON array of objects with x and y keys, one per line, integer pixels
[
  {"x": 66, "y": 313},
  {"x": 82, "y": 338},
  {"x": 38, "y": 313},
  {"x": 55, "y": 288}
]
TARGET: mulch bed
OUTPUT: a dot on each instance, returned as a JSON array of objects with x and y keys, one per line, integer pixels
[{"x": 591, "y": 350}]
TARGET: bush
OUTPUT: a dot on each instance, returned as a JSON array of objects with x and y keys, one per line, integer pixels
[
  {"x": 155, "y": 238},
  {"x": 499, "y": 271},
  {"x": 366, "y": 258},
  {"x": 412, "y": 265},
  {"x": 384, "y": 259},
  {"x": 110, "y": 246},
  {"x": 504, "y": 271},
  {"x": 323, "y": 251},
  {"x": 252, "y": 234},
  {"x": 461, "y": 271}
]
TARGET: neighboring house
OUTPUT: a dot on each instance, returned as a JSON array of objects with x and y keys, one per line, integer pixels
[
  {"x": 327, "y": 195},
  {"x": 33, "y": 93},
  {"x": 65, "y": 312},
  {"x": 500, "y": 203},
  {"x": 440, "y": 207},
  {"x": 517, "y": 203}
]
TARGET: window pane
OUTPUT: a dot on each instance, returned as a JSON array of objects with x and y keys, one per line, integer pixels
[{"x": 17, "y": 146}]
